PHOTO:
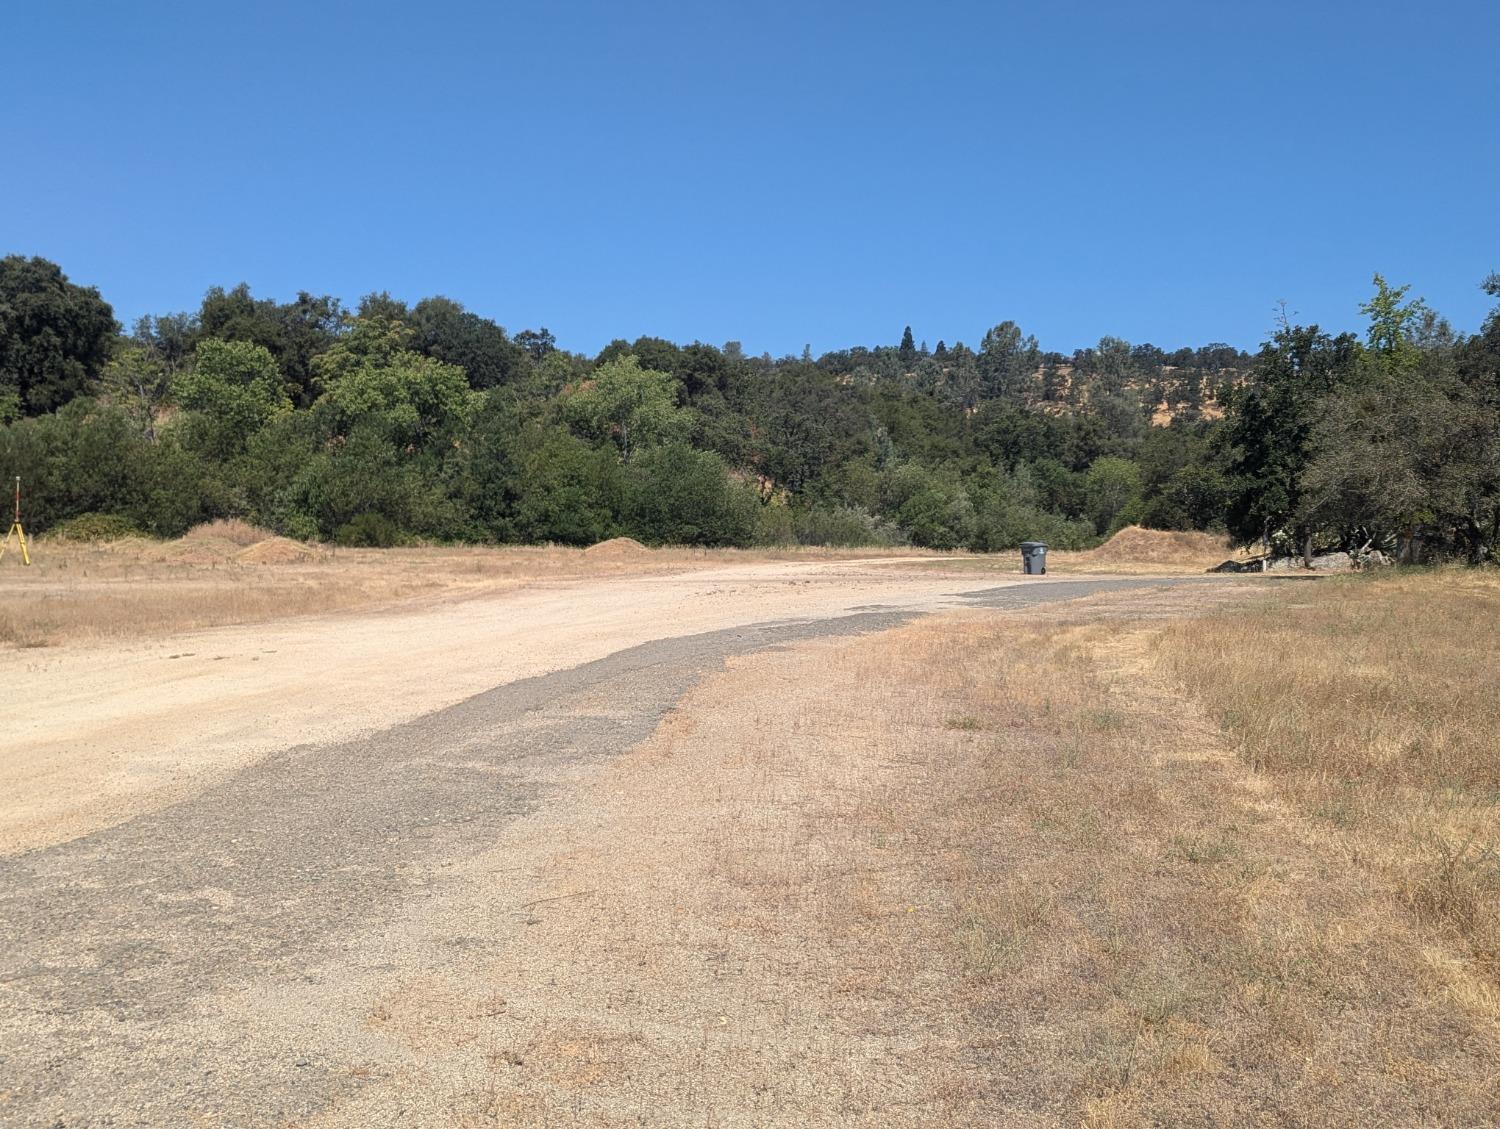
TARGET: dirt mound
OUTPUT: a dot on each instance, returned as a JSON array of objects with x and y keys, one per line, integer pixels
[
  {"x": 1134, "y": 545},
  {"x": 212, "y": 543},
  {"x": 202, "y": 550},
  {"x": 617, "y": 547},
  {"x": 239, "y": 533},
  {"x": 276, "y": 550}
]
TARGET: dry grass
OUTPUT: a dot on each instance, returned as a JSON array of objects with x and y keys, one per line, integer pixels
[
  {"x": 228, "y": 572},
  {"x": 1132, "y": 550},
  {"x": 1374, "y": 704},
  {"x": 1136, "y": 930},
  {"x": 987, "y": 869}
]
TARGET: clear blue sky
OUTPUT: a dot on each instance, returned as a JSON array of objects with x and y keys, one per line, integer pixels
[{"x": 780, "y": 174}]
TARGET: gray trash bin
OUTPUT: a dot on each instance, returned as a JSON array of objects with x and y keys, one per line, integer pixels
[{"x": 1034, "y": 558}]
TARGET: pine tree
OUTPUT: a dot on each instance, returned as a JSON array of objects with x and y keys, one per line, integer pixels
[{"x": 908, "y": 351}]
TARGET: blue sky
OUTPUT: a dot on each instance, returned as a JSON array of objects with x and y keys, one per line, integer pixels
[{"x": 781, "y": 174}]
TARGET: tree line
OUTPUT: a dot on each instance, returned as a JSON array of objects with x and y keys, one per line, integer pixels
[{"x": 388, "y": 422}]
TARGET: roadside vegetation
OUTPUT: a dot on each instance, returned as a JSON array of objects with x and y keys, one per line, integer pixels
[{"x": 387, "y": 423}]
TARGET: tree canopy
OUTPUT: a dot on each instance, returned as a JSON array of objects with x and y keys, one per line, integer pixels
[
  {"x": 55, "y": 337},
  {"x": 392, "y": 421}
]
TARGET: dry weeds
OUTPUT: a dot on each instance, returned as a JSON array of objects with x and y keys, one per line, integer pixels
[
  {"x": 987, "y": 869},
  {"x": 1374, "y": 704},
  {"x": 1132, "y": 928},
  {"x": 1131, "y": 551}
]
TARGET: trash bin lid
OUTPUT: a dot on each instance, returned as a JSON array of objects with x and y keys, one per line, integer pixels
[{"x": 1032, "y": 546}]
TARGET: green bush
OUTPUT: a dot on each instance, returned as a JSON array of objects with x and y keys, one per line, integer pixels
[
  {"x": 775, "y": 525},
  {"x": 681, "y": 496},
  {"x": 368, "y": 531},
  {"x": 844, "y": 527},
  {"x": 96, "y": 527}
]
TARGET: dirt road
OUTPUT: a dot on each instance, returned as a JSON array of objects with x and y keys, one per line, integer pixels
[
  {"x": 230, "y": 854},
  {"x": 97, "y": 734}
]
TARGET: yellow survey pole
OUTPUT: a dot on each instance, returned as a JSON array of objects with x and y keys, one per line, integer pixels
[{"x": 16, "y": 531}]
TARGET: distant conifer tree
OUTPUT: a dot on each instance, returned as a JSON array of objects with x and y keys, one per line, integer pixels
[{"x": 908, "y": 351}]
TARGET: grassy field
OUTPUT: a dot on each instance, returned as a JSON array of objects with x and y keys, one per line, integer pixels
[
  {"x": 1373, "y": 706},
  {"x": 1238, "y": 866},
  {"x": 1077, "y": 866}
]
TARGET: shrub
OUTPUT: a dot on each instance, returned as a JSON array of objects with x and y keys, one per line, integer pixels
[
  {"x": 96, "y": 527},
  {"x": 844, "y": 527},
  {"x": 368, "y": 531},
  {"x": 775, "y": 524},
  {"x": 681, "y": 496}
]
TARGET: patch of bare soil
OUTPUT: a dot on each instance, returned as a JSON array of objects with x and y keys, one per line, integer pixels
[
  {"x": 84, "y": 592},
  {"x": 983, "y": 870},
  {"x": 148, "y": 698},
  {"x": 1131, "y": 551}
]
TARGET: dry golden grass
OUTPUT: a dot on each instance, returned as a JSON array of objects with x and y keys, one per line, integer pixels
[
  {"x": 1132, "y": 550},
  {"x": 985, "y": 869},
  {"x": 1133, "y": 928},
  {"x": 1374, "y": 704},
  {"x": 228, "y": 572}
]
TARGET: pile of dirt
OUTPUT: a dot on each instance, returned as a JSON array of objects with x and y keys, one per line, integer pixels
[
  {"x": 617, "y": 547},
  {"x": 232, "y": 530},
  {"x": 1134, "y": 545},
  {"x": 277, "y": 550},
  {"x": 212, "y": 543},
  {"x": 200, "y": 550}
]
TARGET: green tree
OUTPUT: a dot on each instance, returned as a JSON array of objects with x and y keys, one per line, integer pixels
[
  {"x": 90, "y": 457},
  {"x": 1266, "y": 437},
  {"x": 534, "y": 481},
  {"x": 294, "y": 333},
  {"x": 1008, "y": 364},
  {"x": 1393, "y": 325},
  {"x": 907, "y": 351},
  {"x": 139, "y": 383},
  {"x": 447, "y": 332},
  {"x": 363, "y": 473},
  {"x": 962, "y": 383},
  {"x": 232, "y": 390},
  {"x": 1112, "y": 493},
  {"x": 629, "y": 406},
  {"x": 372, "y": 378},
  {"x": 536, "y": 343},
  {"x": 55, "y": 337},
  {"x": 1411, "y": 449}
]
